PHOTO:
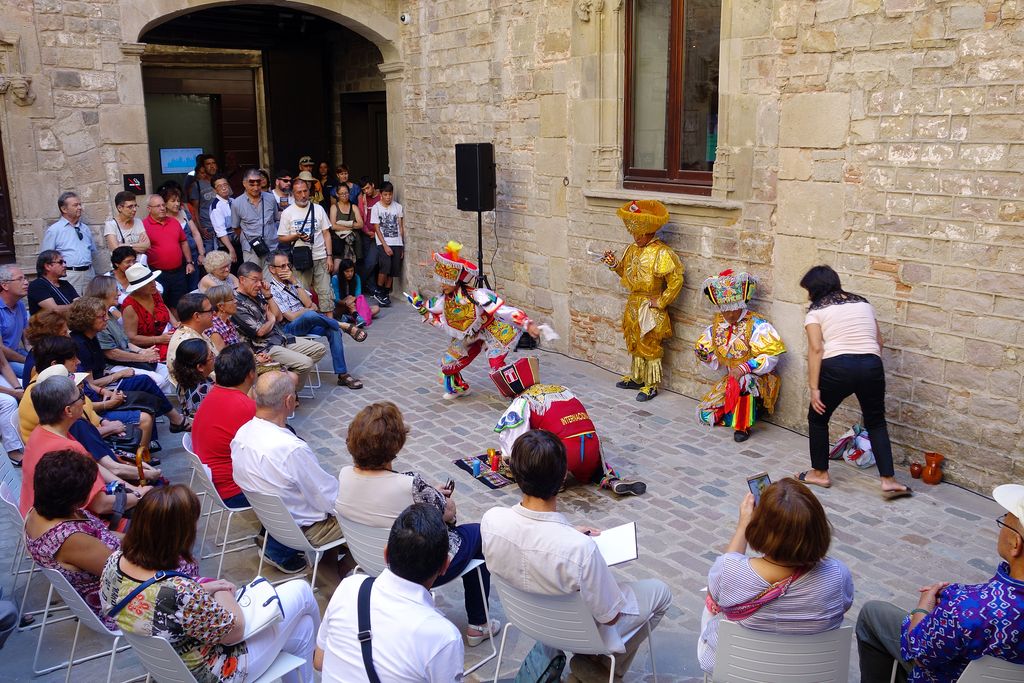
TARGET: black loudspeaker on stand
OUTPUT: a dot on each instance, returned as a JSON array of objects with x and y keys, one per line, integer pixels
[{"x": 476, "y": 190}]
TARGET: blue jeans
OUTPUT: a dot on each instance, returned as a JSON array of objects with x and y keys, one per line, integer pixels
[
  {"x": 471, "y": 548},
  {"x": 312, "y": 322},
  {"x": 275, "y": 550}
]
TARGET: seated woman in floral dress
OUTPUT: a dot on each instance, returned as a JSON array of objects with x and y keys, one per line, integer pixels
[
  {"x": 200, "y": 619},
  {"x": 62, "y": 535}
]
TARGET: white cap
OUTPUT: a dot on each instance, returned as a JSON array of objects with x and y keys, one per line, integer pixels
[
  {"x": 59, "y": 370},
  {"x": 1011, "y": 497}
]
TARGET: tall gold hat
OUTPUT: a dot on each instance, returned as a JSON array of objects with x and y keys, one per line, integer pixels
[{"x": 643, "y": 216}]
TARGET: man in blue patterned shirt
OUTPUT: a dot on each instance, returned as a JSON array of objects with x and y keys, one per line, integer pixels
[{"x": 953, "y": 624}]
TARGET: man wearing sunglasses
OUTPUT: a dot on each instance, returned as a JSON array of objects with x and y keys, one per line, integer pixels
[
  {"x": 73, "y": 239},
  {"x": 953, "y": 623}
]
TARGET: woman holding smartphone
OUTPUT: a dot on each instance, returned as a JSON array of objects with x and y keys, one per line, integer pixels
[{"x": 792, "y": 587}]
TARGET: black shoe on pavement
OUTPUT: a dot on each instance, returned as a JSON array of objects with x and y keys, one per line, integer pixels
[
  {"x": 629, "y": 488},
  {"x": 740, "y": 436}
]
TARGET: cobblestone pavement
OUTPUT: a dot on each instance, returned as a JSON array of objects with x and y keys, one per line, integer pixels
[{"x": 695, "y": 476}]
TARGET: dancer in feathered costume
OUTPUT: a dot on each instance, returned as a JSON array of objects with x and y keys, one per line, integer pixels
[
  {"x": 747, "y": 346},
  {"x": 474, "y": 317},
  {"x": 653, "y": 274},
  {"x": 554, "y": 408}
]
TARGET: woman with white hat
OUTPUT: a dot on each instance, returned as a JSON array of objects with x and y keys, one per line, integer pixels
[{"x": 147, "y": 320}]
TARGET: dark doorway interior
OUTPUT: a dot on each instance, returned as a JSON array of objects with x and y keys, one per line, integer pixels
[
  {"x": 6, "y": 215},
  {"x": 294, "y": 49},
  {"x": 298, "y": 93},
  {"x": 364, "y": 133}
]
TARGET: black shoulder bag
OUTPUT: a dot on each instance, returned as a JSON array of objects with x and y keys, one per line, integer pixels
[
  {"x": 365, "y": 636},
  {"x": 259, "y": 244},
  {"x": 302, "y": 254}
]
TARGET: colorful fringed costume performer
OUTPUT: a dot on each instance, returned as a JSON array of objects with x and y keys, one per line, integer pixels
[
  {"x": 747, "y": 346},
  {"x": 554, "y": 408},
  {"x": 653, "y": 274},
  {"x": 474, "y": 317}
]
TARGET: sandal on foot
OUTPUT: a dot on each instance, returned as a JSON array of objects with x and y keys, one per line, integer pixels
[
  {"x": 481, "y": 629},
  {"x": 803, "y": 477},
  {"x": 357, "y": 333},
  {"x": 905, "y": 492},
  {"x": 184, "y": 426},
  {"x": 349, "y": 381}
]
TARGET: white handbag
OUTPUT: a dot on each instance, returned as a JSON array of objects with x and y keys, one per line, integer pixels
[{"x": 261, "y": 607}]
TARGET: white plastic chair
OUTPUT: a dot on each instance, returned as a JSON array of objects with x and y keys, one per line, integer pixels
[
  {"x": 748, "y": 656},
  {"x": 313, "y": 384},
  {"x": 280, "y": 524},
  {"x": 203, "y": 485},
  {"x": 164, "y": 664},
  {"x": 366, "y": 543},
  {"x": 563, "y": 622},
  {"x": 86, "y": 616},
  {"x": 992, "y": 670}
]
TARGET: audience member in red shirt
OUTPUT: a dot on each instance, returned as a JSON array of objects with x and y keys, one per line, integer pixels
[
  {"x": 225, "y": 409},
  {"x": 169, "y": 252}
]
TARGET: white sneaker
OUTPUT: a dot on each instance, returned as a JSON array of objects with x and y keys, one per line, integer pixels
[{"x": 450, "y": 396}]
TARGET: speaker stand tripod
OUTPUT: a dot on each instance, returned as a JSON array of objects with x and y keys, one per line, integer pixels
[{"x": 481, "y": 276}]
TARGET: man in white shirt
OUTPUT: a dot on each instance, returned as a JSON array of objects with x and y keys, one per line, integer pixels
[
  {"x": 268, "y": 458},
  {"x": 304, "y": 225},
  {"x": 414, "y": 642},
  {"x": 534, "y": 548},
  {"x": 220, "y": 217}
]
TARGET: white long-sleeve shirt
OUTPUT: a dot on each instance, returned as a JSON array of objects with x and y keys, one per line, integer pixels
[{"x": 270, "y": 459}]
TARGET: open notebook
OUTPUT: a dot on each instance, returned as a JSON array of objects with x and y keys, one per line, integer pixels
[{"x": 618, "y": 544}]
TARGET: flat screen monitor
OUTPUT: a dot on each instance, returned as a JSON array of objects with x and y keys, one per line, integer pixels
[{"x": 178, "y": 159}]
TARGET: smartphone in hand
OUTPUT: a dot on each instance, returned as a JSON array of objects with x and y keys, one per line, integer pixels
[{"x": 757, "y": 483}]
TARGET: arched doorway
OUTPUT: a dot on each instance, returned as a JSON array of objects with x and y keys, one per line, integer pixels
[{"x": 264, "y": 84}]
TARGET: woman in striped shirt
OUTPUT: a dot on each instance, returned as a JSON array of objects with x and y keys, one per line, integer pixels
[{"x": 792, "y": 587}]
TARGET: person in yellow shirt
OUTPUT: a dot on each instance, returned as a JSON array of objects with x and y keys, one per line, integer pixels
[{"x": 653, "y": 274}]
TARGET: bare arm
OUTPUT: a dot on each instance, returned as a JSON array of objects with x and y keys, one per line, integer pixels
[
  {"x": 51, "y": 305},
  {"x": 738, "y": 543},
  {"x": 84, "y": 552},
  {"x": 815, "y": 351},
  {"x": 198, "y": 237},
  {"x": 143, "y": 245}
]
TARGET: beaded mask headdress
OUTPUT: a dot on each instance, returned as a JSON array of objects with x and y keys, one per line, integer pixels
[
  {"x": 729, "y": 291},
  {"x": 450, "y": 268}
]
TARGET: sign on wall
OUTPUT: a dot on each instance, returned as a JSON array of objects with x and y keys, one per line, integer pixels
[{"x": 135, "y": 183}]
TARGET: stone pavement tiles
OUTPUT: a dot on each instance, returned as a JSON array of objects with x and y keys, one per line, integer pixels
[{"x": 695, "y": 476}]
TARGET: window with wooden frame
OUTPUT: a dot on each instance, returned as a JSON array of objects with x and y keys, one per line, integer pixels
[{"x": 671, "y": 107}]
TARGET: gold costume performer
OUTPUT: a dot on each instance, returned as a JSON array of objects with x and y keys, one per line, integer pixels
[{"x": 653, "y": 274}]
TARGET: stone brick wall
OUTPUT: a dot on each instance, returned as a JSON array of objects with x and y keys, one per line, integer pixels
[
  {"x": 916, "y": 202},
  {"x": 86, "y": 125},
  {"x": 880, "y": 137}
]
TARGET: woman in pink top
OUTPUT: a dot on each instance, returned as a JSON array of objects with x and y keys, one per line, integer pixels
[{"x": 844, "y": 356}]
